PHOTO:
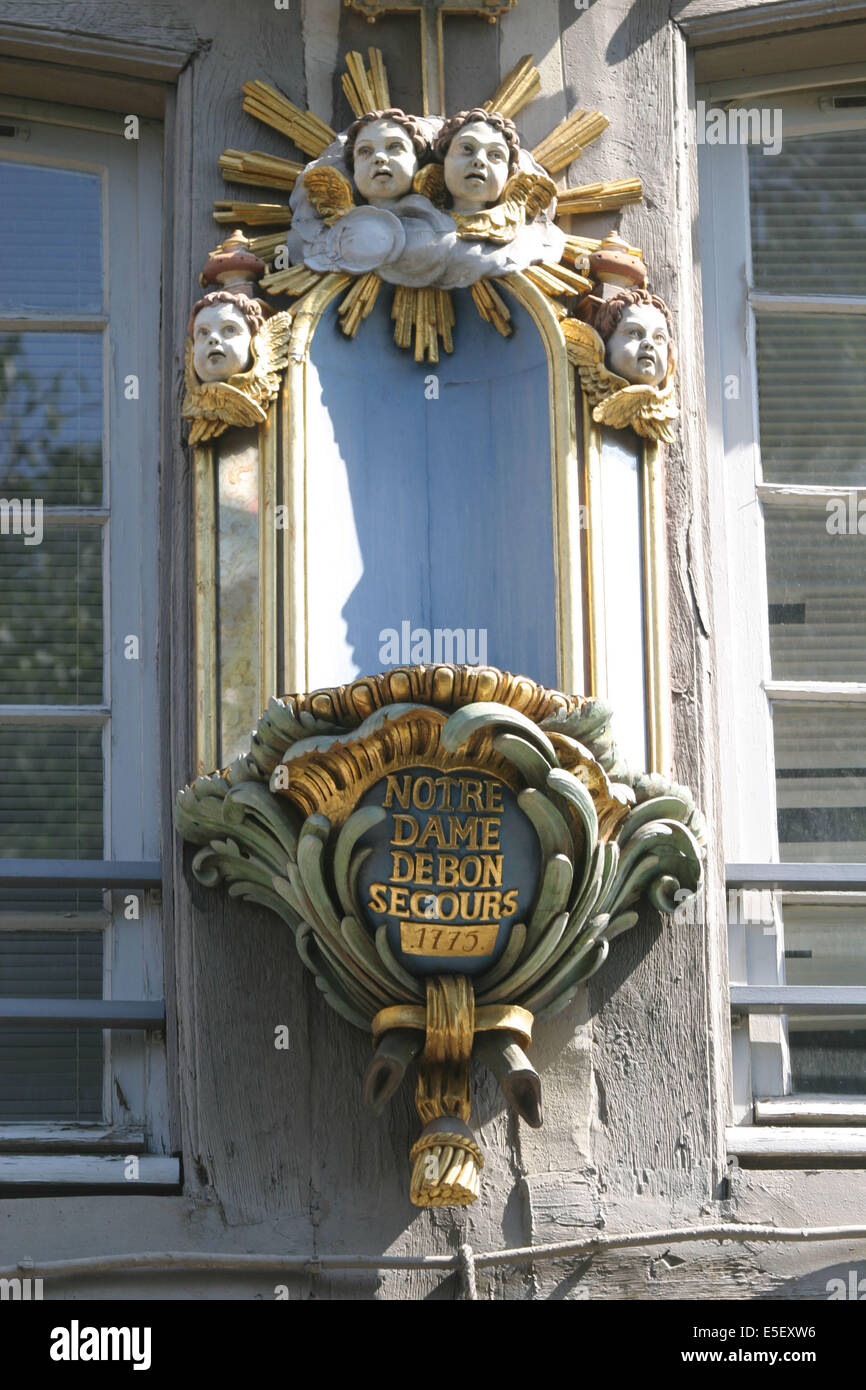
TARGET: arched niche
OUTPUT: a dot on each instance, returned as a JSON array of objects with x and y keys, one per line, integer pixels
[
  {"x": 432, "y": 496},
  {"x": 427, "y": 497}
]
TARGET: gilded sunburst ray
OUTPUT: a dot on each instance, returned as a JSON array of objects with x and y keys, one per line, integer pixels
[{"x": 423, "y": 317}]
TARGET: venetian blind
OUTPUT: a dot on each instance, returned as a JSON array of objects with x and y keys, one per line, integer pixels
[
  {"x": 52, "y": 785},
  {"x": 808, "y": 221},
  {"x": 51, "y": 1073},
  {"x": 50, "y": 223}
]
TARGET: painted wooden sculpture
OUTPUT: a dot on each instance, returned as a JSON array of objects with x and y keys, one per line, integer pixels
[
  {"x": 236, "y": 346},
  {"x": 448, "y": 202},
  {"x": 454, "y": 849},
  {"x": 426, "y": 204},
  {"x": 620, "y": 338}
]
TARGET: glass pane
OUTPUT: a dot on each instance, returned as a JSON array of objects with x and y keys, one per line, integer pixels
[
  {"x": 816, "y": 585},
  {"x": 51, "y": 1073},
  {"x": 812, "y": 405},
  {"x": 68, "y": 902},
  {"x": 821, "y": 782},
  {"x": 51, "y": 408},
  {"x": 51, "y": 623},
  {"x": 828, "y": 1056},
  {"x": 51, "y": 964},
  {"x": 808, "y": 212},
  {"x": 50, "y": 793},
  {"x": 51, "y": 233},
  {"x": 825, "y": 939},
  {"x": 825, "y": 944}
]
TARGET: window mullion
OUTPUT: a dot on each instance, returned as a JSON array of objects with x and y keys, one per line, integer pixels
[
  {"x": 767, "y": 303},
  {"x": 81, "y": 716}
]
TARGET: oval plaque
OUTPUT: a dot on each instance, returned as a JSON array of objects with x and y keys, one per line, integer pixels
[{"x": 454, "y": 864}]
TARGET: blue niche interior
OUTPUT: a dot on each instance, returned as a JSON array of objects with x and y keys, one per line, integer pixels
[{"x": 429, "y": 498}]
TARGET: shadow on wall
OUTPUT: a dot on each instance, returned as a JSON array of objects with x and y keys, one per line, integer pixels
[
  {"x": 844, "y": 1282},
  {"x": 429, "y": 501},
  {"x": 627, "y": 953},
  {"x": 644, "y": 19}
]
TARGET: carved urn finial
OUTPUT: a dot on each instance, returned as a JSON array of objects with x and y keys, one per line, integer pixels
[
  {"x": 233, "y": 266},
  {"x": 617, "y": 266}
]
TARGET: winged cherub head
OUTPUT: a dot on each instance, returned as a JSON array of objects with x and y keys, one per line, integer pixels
[
  {"x": 383, "y": 152},
  {"x": 222, "y": 327},
  {"x": 637, "y": 330},
  {"x": 478, "y": 150}
]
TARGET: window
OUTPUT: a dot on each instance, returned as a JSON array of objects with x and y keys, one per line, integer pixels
[
  {"x": 785, "y": 299},
  {"x": 79, "y": 297}
]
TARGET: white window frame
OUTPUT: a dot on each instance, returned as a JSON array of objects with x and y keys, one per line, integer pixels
[
  {"x": 761, "y": 1065},
  {"x": 135, "y": 1087}
]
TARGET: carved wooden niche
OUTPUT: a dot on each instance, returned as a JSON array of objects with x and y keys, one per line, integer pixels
[
  {"x": 391, "y": 463},
  {"x": 402, "y": 450}
]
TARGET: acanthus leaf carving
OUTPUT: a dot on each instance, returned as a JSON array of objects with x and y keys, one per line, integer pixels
[{"x": 605, "y": 838}]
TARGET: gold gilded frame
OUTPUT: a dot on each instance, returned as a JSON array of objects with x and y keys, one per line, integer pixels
[
  {"x": 564, "y": 482},
  {"x": 207, "y": 712},
  {"x": 287, "y": 548},
  {"x": 658, "y": 712},
  {"x": 294, "y": 538},
  {"x": 204, "y": 561}
]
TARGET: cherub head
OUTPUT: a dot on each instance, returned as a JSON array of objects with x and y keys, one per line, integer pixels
[
  {"x": 479, "y": 150},
  {"x": 638, "y": 334},
  {"x": 222, "y": 326},
  {"x": 383, "y": 152}
]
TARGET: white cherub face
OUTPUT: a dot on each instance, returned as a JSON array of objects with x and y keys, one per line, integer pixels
[
  {"x": 385, "y": 162},
  {"x": 476, "y": 167},
  {"x": 638, "y": 347},
  {"x": 221, "y": 342}
]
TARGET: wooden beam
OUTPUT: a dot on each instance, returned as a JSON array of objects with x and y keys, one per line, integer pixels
[
  {"x": 43, "y": 81},
  {"x": 156, "y": 62},
  {"x": 803, "y": 878},
  {"x": 825, "y": 1146},
  {"x": 52, "y": 323},
  {"x": 80, "y": 873},
  {"x": 798, "y": 999},
  {"x": 811, "y": 1110},
  {"x": 88, "y": 1170},
  {"x": 122, "y": 1014},
  {"x": 807, "y": 692},
  {"x": 781, "y": 83},
  {"x": 81, "y": 716},
  {"x": 67, "y": 1138},
  {"x": 798, "y": 52},
  {"x": 806, "y": 303},
  {"x": 790, "y": 495},
  {"x": 721, "y": 21}
]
